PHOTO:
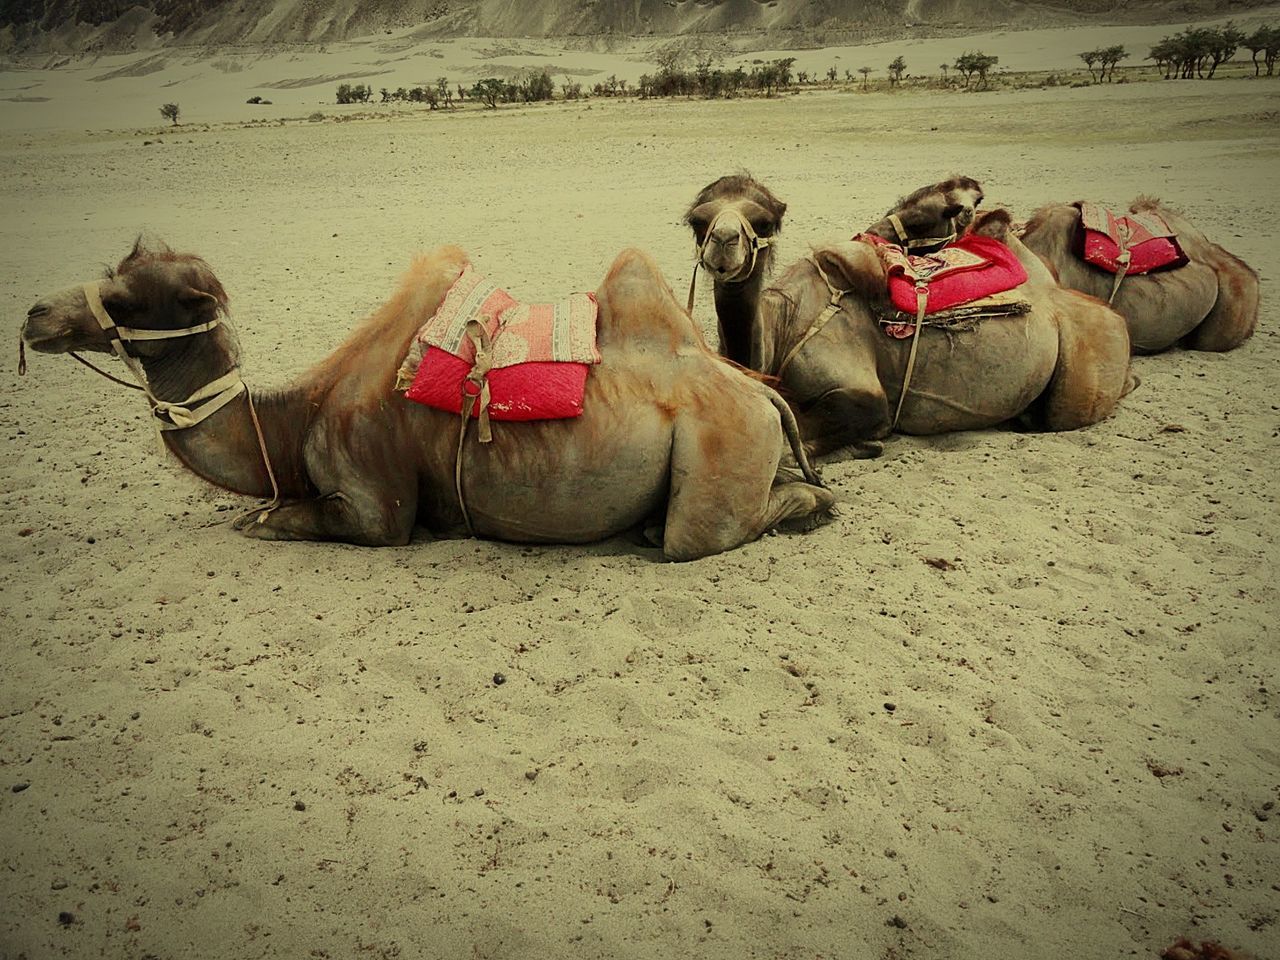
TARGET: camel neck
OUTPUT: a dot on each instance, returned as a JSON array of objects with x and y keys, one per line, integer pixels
[
  {"x": 736, "y": 306},
  {"x": 224, "y": 449}
]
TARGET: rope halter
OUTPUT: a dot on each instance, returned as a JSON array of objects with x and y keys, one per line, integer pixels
[
  {"x": 173, "y": 415},
  {"x": 921, "y": 244},
  {"x": 196, "y": 408},
  {"x": 755, "y": 243}
]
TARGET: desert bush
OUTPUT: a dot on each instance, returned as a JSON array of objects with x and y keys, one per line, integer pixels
[
  {"x": 895, "y": 71},
  {"x": 359, "y": 93},
  {"x": 170, "y": 112}
]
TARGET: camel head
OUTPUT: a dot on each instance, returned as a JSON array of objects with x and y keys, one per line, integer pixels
[
  {"x": 734, "y": 221},
  {"x": 931, "y": 217},
  {"x": 150, "y": 290}
]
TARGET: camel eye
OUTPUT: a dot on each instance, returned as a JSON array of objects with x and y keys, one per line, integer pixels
[{"x": 977, "y": 203}]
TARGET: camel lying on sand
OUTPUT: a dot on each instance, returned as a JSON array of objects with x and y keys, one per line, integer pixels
[
  {"x": 672, "y": 438},
  {"x": 1210, "y": 303},
  {"x": 734, "y": 221},
  {"x": 1061, "y": 365}
]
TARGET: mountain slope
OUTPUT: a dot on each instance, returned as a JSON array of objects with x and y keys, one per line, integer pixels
[{"x": 125, "y": 24}]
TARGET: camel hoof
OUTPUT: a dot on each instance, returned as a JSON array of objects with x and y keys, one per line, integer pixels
[{"x": 867, "y": 450}]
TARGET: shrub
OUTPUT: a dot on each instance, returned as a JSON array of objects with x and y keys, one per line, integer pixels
[{"x": 170, "y": 112}]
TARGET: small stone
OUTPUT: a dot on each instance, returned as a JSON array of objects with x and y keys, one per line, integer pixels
[
  {"x": 531, "y": 775},
  {"x": 19, "y": 787},
  {"x": 499, "y": 679},
  {"x": 898, "y": 922},
  {"x": 479, "y": 791},
  {"x": 58, "y": 884},
  {"x": 66, "y": 918},
  {"x": 891, "y": 707},
  {"x": 299, "y": 805}
]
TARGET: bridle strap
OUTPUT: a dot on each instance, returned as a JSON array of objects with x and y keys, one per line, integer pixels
[
  {"x": 832, "y": 308},
  {"x": 195, "y": 409},
  {"x": 755, "y": 243},
  {"x": 907, "y": 242}
]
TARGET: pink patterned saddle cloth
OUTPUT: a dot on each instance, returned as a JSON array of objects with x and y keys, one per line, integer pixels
[
  {"x": 540, "y": 353},
  {"x": 1141, "y": 242}
]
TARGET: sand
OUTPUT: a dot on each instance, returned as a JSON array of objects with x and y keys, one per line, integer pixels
[{"x": 1060, "y": 741}]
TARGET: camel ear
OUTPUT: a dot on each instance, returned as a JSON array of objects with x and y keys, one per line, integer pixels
[
  {"x": 952, "y": 211},
  {"x": 201, "y": 304},
  {"x": 994, "y": 224}
]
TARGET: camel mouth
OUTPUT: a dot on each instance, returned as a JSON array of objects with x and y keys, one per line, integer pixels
[{"x": 47, "y": 342}]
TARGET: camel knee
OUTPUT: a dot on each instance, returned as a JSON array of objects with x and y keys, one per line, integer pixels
[{"x": 845, "y": 417}]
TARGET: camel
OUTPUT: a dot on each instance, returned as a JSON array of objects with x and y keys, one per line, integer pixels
[
  {"x": 734, "y": 221},
  {"x": 1063, "y": 364},
  {"x": 671, "y": 438},
  {"x": 1210, "y": 303}
]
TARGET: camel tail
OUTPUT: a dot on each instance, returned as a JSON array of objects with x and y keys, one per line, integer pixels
[
  {"x": 792, "y": 430},
  {"x": 1234, "y": 316}
]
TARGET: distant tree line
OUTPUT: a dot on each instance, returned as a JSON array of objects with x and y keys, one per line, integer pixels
[
  {"x": 1199, "y": 51},
  {"x": 707, "y": 79}
]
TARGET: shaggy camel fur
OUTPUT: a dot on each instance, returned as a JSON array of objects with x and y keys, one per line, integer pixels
[
  {"x": 1063, "y": 365},
  {"x": 734, "y": 221},
  {"x": 672, "y": 438},
  {"x": 1211, "y": 303}
]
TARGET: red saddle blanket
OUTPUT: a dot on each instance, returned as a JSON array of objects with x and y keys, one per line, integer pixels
[
  {"x": 969, "y": 269},
  {"x": 1143, "y": 241},
  {"x": 539, "y": 353}
]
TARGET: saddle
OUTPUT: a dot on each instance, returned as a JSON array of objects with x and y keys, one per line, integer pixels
[
  {"x": 1129, "y": 245},
  {"x": 503, "y": 359},
  {"x": 956, "y": 286}
]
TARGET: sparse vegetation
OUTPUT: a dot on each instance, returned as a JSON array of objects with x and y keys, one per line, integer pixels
[
  {"x": 975, "y": 64},
  {"x": 170, "y": 111},
  {"x": 896, "y": 67},
  {"x": 1198, "y": 51},
  {"x": 1265, "y": 41},
  {"x": 359, "y": 93},
  {"x": 1106, "y": 59}
]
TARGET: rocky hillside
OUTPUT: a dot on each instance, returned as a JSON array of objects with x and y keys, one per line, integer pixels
[{"x": 78, "y": 25}]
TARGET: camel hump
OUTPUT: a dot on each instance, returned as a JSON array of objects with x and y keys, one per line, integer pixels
[
  {"x": 853, "y": 265},
  {"x": 635, "y": 300}
]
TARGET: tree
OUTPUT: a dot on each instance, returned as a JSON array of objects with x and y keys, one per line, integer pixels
[
  {"x": 895, "y": 71},
  {"x": 831, "y": 74},
  {"x": 170, "y": 112},
  {"x": 866, "y": 72},
  {"x": 944, "y": 67},
  {"x": 975, "y": 63},
  {"x": 445, "y": 92},
  {"x": 488, "y": 91},
  {"x": 1109, "y": 57},
  {"x": 1090, "y": 57}
]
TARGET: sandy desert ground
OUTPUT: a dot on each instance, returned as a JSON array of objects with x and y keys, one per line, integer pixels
[{"x": 815, "y": 746}]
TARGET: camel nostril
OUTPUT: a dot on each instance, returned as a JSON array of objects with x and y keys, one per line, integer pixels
[{"x": 39, "y": 310}]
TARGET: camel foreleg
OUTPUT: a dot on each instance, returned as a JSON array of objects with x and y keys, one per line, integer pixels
[{"x": 336, "y": 516}]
